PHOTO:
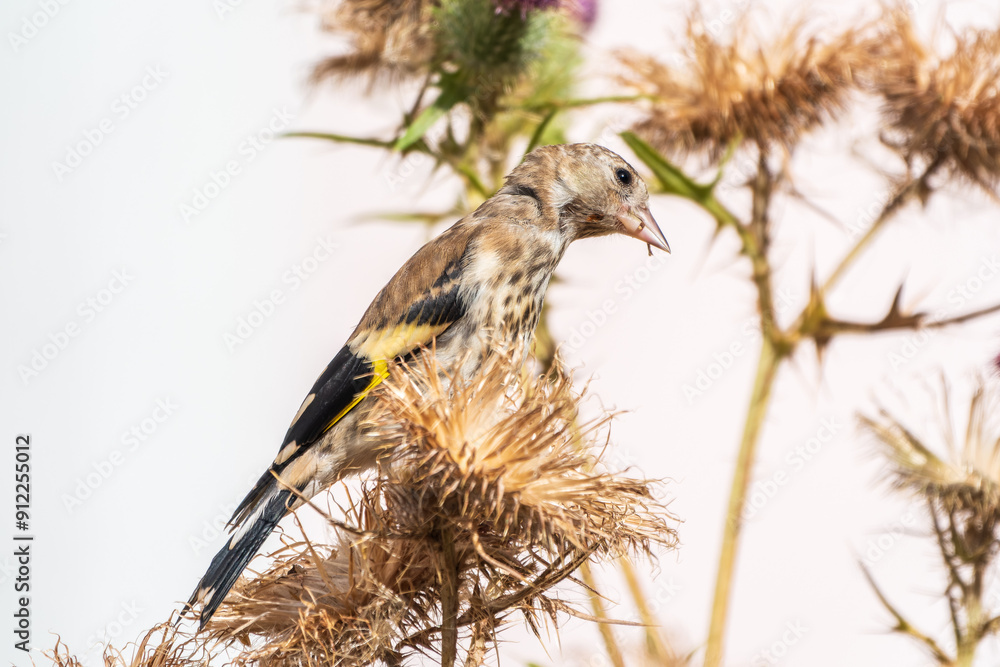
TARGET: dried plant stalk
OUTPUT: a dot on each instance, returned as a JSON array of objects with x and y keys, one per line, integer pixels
[
  {"x": 485, "y": 500},
  {"x": 161, "y": 646},
  {"x": 485, "y": 476},
  {"x": 962, "y": 493}
]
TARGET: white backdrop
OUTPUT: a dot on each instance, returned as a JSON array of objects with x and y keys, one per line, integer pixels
[{"x": 147, "y": 212}]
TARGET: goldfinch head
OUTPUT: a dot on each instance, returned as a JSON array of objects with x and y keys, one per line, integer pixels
[{"x": 594, "y": 191}]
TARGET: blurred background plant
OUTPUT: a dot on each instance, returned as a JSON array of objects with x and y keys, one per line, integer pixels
[
  {"x": 938, "y": 113},
  {"x": 492, "y": 493},
  {"x": 497, "y": 78},
  {"x": 489, "y": 80},
  {"x": 956, "y": 475}
]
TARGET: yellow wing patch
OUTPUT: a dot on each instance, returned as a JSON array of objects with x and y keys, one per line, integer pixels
[
  {"x": 397, "y": 341},
  {"x": 380, "y": 371}
]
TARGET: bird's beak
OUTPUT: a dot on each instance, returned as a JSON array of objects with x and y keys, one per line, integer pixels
[{"x": 639, "y": 223}]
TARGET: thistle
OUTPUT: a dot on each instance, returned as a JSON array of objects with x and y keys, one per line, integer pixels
[
  {"x": 491, "y": 493},
  {"x": 486, "y": 502},
  {"x": 961, "y": 490},
  {"x": 941, "y": 109},
  {"x": 743, "y": 90},
  {"x": 393, "y": 40}
]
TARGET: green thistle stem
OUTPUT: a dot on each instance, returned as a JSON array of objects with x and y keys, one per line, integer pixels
[
  {"x": 341, "y": 138},
  {"x": 767, "y": 367},
  {"x": 910, "y": 189},
  {"x": 597, "y": 607},
  {"x": 656, "y": 647},
  {"x": 582, "y": 102}
]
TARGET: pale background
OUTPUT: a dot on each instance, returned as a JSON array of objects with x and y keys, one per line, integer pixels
[{"x": 121, "y": 559}]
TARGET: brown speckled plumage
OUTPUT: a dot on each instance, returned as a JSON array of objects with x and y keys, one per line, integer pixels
[{"x": 478, "y": 286}]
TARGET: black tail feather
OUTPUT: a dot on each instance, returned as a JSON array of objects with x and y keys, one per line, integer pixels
[{"x": 230, "y": 562}]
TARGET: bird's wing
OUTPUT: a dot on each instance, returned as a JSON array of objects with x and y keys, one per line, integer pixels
[{"x": 420, "y": 302}]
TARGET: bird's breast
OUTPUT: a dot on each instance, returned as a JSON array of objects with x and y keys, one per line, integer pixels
[{"x": 509, "y": 299}]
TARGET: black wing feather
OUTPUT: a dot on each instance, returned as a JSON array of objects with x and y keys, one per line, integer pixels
[
  {"x": 341, "y": 381},
  {"x": 346, "y": 376}
]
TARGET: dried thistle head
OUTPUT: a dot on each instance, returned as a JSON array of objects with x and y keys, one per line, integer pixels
[
  {"x": 965, "y": 481},
  {"x": 941, "y": 109},
  {"x": 484, "y": 46},
  {"x": 769, "y": 94},
  {"x": 352, "y": 603},
  {"x": 398, "y": 39},
  {"x": 390, "y": 38},
  {"x": 493, "y": 473},
  {"x": 507, "y": 451},
  {"x": 163, "y": 645}
]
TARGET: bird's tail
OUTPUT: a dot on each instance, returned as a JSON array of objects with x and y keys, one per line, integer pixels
[{"x": 254, "y": 520}]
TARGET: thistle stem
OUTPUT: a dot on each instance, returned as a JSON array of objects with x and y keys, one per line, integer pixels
[
  {"x": 341, "y": 138},
  {"x": 655, "y": 645},
  {"x": 449, "y": 599},
  {"x": 767, "y": 366},
  {"x": 907, "y": 191},
  {"x": 597, "y": 606},
  {"x": 583, "y": 102}
]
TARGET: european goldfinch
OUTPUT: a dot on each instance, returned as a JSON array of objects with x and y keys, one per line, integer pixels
[{"x": 477, "y": 286}]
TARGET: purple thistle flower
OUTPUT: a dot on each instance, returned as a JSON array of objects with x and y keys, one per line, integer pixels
[
  {"x": 525, "y": 6},
  {"x": 584, "y": 11}
]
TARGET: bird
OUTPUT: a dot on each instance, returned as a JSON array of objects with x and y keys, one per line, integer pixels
[{"x": 475, "y": 288}]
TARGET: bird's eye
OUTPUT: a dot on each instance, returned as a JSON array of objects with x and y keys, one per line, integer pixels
[{"x": 623, "y": 176}]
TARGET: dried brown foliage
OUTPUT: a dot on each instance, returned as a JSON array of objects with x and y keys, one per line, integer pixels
[
  {"x": 490, "y": 491},
  {"x": 769, "y": 94},
  {"x": 391, "y": 39},
  {"x": 962, "y": 493},
  {"x": 966, "y": 480},
  {"x": 489, "y": 473},
  {"x": 941, "y": 108},
  {"x": 161, "y": 646}
]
